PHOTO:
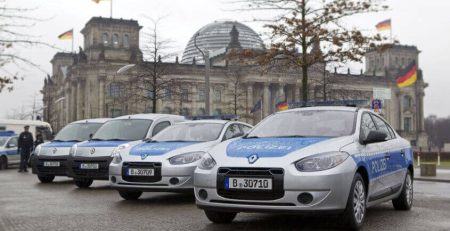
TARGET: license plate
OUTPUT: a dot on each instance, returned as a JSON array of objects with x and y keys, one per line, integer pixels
[
  {"x": 141, "y": 172},
  {"x": 89, "y": 166},
  {"x": 248, "y": 183},
  {"x": 51, "y": 164}
]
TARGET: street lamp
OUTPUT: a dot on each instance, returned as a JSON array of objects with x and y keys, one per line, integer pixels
[{"x": 207, "y": 73}]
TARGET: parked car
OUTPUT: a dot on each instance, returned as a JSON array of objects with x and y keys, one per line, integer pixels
[
  {"x": 89, "y": 160},
  {"x": 8, "y": 149},
  {"x": 320, "y": 159},
  {"x": 50, "y": 158},
  {"x": 167, "y": 161}
]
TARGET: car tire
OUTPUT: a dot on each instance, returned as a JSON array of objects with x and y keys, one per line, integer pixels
[
  {"x": 3, "y": 163},
  {"x": 220, "y": 217},
  {"x": 83, "y": 183},
  {"x": 405, "y": 199},
  {"x": 355, "y": 210},
  {"x": 130, "y": 195},
  {"x": 46, "y": 179}
]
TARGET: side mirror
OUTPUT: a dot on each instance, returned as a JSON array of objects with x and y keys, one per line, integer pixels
[{"x": 374, "y": 137}]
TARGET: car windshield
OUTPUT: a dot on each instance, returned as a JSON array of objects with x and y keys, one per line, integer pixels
[
  {"x": 196, "y": 132},
  {"x": 77, "y": 132},
  {"x": 124, "y": 129},
  {"x": 3, "y": 140},
  {"x": 308, "y": 123}
]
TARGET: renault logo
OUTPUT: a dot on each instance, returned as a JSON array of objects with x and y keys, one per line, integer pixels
[
  {"x": 54, "y": 150},
  {"x": 92, "y": 151},
  {"x": 143, "y": 156},
  {"x": 252, "y": 158}
]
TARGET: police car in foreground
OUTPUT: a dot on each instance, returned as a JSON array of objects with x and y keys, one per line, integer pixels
[
  {"x": 8, "y": 149},
  {"x": 167, "y": 161},
  {"x": 50, "y": 159},
  {"x": 89, "y": 160},
  {"x": 338, "y": 159}
]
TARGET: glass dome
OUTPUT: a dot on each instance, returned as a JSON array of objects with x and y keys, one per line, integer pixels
[{"x": 216, "y": 36}]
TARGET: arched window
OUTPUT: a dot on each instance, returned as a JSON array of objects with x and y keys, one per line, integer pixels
[
  {"x": 126, "y": 41},
  {"x": 115, "y": 39},
  {"x": 105, "y": 38}
]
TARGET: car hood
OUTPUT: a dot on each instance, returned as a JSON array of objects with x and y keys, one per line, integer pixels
[
  {"x": 53, "y": 148},
  {"x": 287, "y": 150},
  {"x": 97, "y": 148}
]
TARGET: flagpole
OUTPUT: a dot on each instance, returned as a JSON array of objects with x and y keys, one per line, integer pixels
[
  {"x": 73, "y": 38},
  {"x": 392, "y": 39},
  {"x": 111, "y": 9}
]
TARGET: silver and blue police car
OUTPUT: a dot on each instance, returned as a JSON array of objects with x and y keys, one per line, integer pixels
[
  {"x": 89, "y": 160},
  {"x": 338, "y": 159},
  {"x": 167, "y": 161},
  {"x": 8, "y": 149},
  {"x": 50, "y": 158}
]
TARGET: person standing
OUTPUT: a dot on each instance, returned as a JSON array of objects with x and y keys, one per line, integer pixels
[
  {"x": 24, "y": 147},
  {"x": 39, "y": 140}
]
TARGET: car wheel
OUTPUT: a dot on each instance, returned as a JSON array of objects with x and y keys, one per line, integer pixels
[
  {"x": 83, "y": 183},
  {"x": 220, "y": 217},
  {"x": 131, "y": 196},
  {"x": 46, "y": 179},
  {"x": 355, "y": 211},
  {"x": 3, "y": 163},
  {"x": 405, "y": 200}
]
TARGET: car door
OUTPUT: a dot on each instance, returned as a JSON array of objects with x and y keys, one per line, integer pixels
[
  {"x": 395, "y": 156},
  {"x": 11, "y": 149},
  {"x": 374, "y": 158}
]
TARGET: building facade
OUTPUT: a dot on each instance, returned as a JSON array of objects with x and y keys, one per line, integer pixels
[{"x": 87, "y": 84}]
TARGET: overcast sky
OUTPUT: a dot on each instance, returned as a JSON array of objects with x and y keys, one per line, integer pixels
[{"x": 415, "y": 22}]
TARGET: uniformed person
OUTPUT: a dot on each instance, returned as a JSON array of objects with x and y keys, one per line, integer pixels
[{"x": 25, "y": 146}]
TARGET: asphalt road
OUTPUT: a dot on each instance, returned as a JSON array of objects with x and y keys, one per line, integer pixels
[{"x": 25, "y": 204}]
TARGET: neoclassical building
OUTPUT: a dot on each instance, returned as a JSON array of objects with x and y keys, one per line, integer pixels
[{"x": 87, "y": 84}]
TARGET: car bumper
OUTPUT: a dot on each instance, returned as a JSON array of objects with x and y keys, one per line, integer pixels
[
  {"x": 38, "y": 167},
  {"x": 75, "y": 170},
  {"x": 166, "y": 178},
  {"x": 328, "y": 189}
]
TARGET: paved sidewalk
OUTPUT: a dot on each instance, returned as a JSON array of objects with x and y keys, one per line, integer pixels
[{"x": 442, "y": 175}]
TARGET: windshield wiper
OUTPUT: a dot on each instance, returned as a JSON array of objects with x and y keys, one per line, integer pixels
[
  {"x": 72, "y": 140},
  {"x": 251, "y": 137},
  {"x": 97, "y": 139},
  {"x": 116, "y": 139},
  {"x": 58, "y": 141}
]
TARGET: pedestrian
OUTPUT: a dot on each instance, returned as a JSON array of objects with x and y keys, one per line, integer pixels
[
  {"x": 24, "y": 147},
  {"x": 39, "y": 140}
]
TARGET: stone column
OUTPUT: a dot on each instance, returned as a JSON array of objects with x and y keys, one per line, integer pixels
[
  {"x": 79, "y": 105},
  {"x": 250, "y": 102},
  {"x": 101, "y": 96},
  {"x": 266, "y": 99},
  {"x": 212, "y": 106},
  {"x": 73, "y": 101}
]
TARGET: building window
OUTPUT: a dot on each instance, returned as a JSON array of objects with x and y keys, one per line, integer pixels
[
  {"x": 218, "y": 112},
  {"x": 407, "y": 103},
  {"x": 116, "y": 113},
  {"x": 201, "y": 111},
  {"x": 115, "y": 90},
  {"x": 115, "y": 39},
  {"x": 105, "y": 38},
  {"x": 201, "y": 94},
  {"x": 217, "y": 95},
  {"x": 184, "y": 94},
  {"x": 126, "y": 41},
  {"x": 148, "y": 108},
  {"x": 185, "y": 111},
  {"x": 396, "y": 61},
  {"x": 167, "y": 94},
  {"x": 407, "y": 124},
  {"x": 167, "y": 110}
]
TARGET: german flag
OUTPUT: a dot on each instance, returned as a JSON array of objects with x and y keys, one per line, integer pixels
[
  {"x": 66, "y": 35},
  {"x": 408, "y": 76},
  {"x": 282, "y": 106},
  {"x": 384, "y": 25}
]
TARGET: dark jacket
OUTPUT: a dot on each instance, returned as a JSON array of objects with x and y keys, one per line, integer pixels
[{"x": 25, "y": 140}]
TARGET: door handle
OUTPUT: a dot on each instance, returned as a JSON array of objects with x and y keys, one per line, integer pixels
[
  {"x": 402, "y": 152},
  {"x": 387, "y": 155}
]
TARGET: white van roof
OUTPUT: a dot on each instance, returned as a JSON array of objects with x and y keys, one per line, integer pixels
[
  {"x": 150, "y": 116},
  {"x": 24, "y": 122},
  {"x": 97, "y": 120}
]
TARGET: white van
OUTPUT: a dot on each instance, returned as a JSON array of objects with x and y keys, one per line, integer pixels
[
  {"x": 89, "y": 160},
  {"x": 8, "y": 149},
  {"x": 36, "y": 127}
]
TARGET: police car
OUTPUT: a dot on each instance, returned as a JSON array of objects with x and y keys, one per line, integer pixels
[
  {"x": 337, "y": 159},
  {"x": 50, "y": 159},
  {"x": 8, "y": 149},
  {"x": 167, "y": 161},
  {"x": 89, "y": 160}
]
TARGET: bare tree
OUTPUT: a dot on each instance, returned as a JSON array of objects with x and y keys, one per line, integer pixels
[
  {"x": 13, "y": 24},
  {"x": 236, "y": 93},
  {"x": 309, "y": 25}
]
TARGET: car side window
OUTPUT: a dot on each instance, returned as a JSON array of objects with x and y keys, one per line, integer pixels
[
  {"x": 382, "y": 126},
  {"x": 159, "y": 127},
  {"x": 232, "y": 131},
  {"x": 245, "y": 128},
  {"x": 367, "y": 125},
  {"x": 12, "y": 141}
]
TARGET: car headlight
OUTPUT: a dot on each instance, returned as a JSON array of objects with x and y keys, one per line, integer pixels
[
  {"x": 186, "y": 158},
  {"x": 321, "y": 161},
  {"x": 207, "y": 162},
  {"x": 37, "y": 151},
  {"x": 117, "y": 158},
  {"x": 73, "y": 149}
]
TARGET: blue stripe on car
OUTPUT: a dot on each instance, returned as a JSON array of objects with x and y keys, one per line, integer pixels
[
  {"x": 102, "y": 144},
  {"x": 157, "y": 149},
  {"x": 269, "y": 147}
]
